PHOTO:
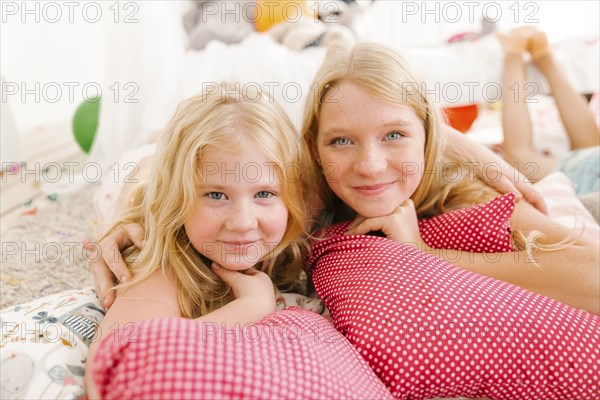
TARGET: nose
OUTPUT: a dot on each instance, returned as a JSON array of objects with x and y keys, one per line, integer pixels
[
  {"x": 241, "y": 218},
  {"x": 370, "y": 161}
]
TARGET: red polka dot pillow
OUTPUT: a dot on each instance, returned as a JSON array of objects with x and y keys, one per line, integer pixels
[
  {"x": 484, "y": 228},
  {"x": 430, "y": 329},
  {"x": 291, "y": 354}
]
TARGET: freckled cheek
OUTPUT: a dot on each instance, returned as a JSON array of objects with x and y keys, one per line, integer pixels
[
  {"x": 410, "y": 165},
  {"x": 204, "y": 226},
  {"x": 411, "y": 172},
  {"x": 336, "y": 168},
  {"x": 274, "y": 222}
]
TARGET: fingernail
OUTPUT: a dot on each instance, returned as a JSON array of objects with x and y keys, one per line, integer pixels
[
  {"x": 124, "y": 279},
  {"x": 105, "y": 304},
  {"x": 144, "y": 242}
]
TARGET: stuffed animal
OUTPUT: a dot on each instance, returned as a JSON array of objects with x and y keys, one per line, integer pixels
[
  {"x": 339, "y": 12},
  {"x": 212, "y": 20},
  {"x": 334, "y": 21},
  {"x": 318, "y": 24},
  {"x": 308, "y": 33}
]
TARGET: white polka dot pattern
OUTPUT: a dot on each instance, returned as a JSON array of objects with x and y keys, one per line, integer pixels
[
  {"x": 430, "y": 329},
  {"x": 291, "y": 354},
  {"x": 484, "y": 228}
]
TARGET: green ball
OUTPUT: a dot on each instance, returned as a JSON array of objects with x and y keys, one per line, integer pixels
[{"x": 85, "y": 123}]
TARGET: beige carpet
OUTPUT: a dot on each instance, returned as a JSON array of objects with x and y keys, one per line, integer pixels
[{"x": 42, "y": 254}]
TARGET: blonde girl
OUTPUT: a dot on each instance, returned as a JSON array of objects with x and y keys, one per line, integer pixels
[
  {"x": 376, "y": 137},
  {"x": 223, "y": 209}
]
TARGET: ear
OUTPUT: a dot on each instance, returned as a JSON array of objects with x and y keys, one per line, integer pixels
[{"x": 312, "y": 148}]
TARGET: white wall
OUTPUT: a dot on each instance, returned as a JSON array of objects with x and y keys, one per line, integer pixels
[
  {"x": 73, "y": 49},
  {"x": 431, "y": 23},
  {"x": 40, "y": 55}
]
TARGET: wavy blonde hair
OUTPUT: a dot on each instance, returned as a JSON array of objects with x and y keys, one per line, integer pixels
[
  {"x": 225, "y": 117},
  {"x": 383, "y": 73}
]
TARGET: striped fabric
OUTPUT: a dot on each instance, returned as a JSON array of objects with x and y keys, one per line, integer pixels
[
  {"x": 565, "y": 208},
  {"x": 84, "y": 326}
]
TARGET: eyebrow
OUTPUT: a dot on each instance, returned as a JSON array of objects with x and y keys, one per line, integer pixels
[
  {"x": 259, "y": 186},
  {"x": 394, "y": 123}
]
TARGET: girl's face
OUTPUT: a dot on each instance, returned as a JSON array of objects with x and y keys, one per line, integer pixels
[
  {"x": 372, "y": 153},
  {"x": 240, "y": 215}
]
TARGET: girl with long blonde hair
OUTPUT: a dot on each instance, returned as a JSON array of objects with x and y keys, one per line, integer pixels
[
  {"x": 224, "y": 213},
  {"x": 376, "y": 136}
]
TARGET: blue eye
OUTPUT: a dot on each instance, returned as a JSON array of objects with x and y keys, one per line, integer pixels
[
  {"x": 393, "y": 135},
  {"x": 215, "y": 195},
  {"x": 264, "y": 194},
  {"x": 341, "y": 141}
]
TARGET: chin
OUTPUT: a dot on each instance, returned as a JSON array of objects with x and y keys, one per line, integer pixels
[
  {"x": 380, "y": 207},
  {"x": 374, "y": 211},
  {"x": 236, "y": 266}
]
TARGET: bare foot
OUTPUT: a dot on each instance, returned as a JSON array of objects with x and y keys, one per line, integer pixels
[
  {"x": 538, "y": 45},
  {"x": 513, "y": 44},
  {"x": 537, "y": 41}
]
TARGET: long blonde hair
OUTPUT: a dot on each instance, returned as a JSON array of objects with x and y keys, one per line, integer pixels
[
  {"x": 383, "y": 73},
  {"x": 224, "y": 117}
]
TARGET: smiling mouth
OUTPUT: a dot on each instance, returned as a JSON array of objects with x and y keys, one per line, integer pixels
[
  {"x": 372, "y": 190},
  {"x": 239, "y": 245}
]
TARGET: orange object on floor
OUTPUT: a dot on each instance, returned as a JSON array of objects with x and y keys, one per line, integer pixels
[{"x": 461, "y": 118}]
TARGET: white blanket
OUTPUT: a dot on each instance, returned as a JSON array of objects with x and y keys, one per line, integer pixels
[{"x": 454, "y": 74}]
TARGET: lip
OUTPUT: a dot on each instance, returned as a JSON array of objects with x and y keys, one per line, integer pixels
[
  {"x": 373, "y": 190},
  {"x": 239, "y": 245}
]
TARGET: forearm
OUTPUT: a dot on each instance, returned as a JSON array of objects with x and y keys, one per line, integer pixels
[
  {"x": 240, "y": 312},
  {"x": 570, "y": 275},
  {"x": 516, "y": 122},
  {"x": 575, "y": 115}
]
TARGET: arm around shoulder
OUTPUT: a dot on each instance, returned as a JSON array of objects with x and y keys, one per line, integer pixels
[{"x": 563, "y": 267}]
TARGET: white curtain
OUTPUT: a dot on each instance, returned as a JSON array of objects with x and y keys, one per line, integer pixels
[
  {"x": 147, "y": 62},
  {"x": 143, "y": 57}
]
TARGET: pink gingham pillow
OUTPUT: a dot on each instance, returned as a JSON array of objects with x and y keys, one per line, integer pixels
[{"x": 291, "y": 354}]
